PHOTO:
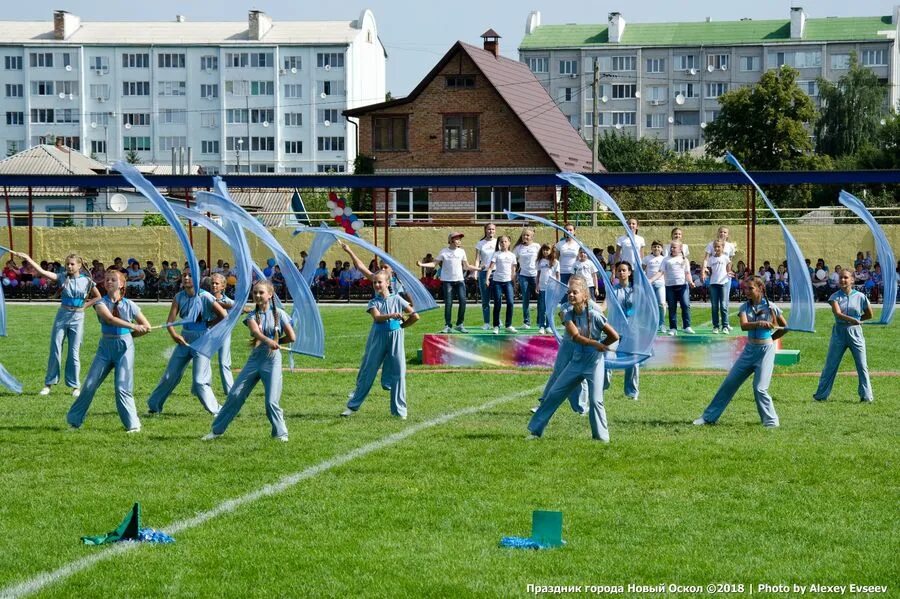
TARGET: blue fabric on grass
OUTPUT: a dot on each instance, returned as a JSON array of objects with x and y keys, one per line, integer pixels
[
  {"x": 522, "y": 543},
  {"x": 9, "y": 381}
]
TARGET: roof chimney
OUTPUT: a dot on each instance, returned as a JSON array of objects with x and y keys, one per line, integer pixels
[
  {"x": 616, "y": 27},
  {"x": 532, "y": 22},
  {"x": 179, "y": 18},
  {"x": 260, "y": 24},
  {"x": 64, "y": 24},
  {"x": 798, "y": 22},
  {"x": 491, "y": 42}
]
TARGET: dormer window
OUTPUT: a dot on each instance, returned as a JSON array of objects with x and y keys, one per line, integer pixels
[{"x": 460, "y": 81}]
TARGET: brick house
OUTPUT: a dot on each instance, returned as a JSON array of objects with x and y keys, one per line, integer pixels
[{"x": 476, "y": 112}]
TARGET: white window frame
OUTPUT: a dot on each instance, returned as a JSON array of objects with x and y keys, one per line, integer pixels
[
  {"x": 538, "y": 64},
  {"x": 750, "y": 63},
  {"x": 656, "y": 65},
  {"x": 685, "y": 62}
]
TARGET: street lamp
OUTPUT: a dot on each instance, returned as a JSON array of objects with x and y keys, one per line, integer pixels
[{"x": 237, "y": 153}]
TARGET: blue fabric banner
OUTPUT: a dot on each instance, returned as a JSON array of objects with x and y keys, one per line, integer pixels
[
  {"x": 9, "y": 381},
  {"x": 320, "y": 244}
]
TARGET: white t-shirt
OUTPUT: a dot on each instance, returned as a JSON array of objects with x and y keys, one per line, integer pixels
[
  {"x": 718, "y": 269},
  {"x": 527, "y": 256},
  {"x": 684, "y": 250},
  {"x": 585, "y": 269},
  {"x": 451, "y": 264},
  {"x": 729, "y": 250},
  {"x": 547, "y": 272},
  {"x": 674, "y": 270},
  {"x": 652, "y": 265},
  {"x": 568, "y": 253},
  {"x": 504, "y": 265},
  {"x": 627, "y": 254},
  {"x": 484, "y": 249}
]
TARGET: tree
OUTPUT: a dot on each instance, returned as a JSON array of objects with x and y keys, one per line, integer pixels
[
  {"x": 763, "y": 125},
  {"x": 132, "y": 157},
  {"x": 851, "y": 111},
  {"x": 154, "y": 220},
  {"x": 622, "y": 153}
]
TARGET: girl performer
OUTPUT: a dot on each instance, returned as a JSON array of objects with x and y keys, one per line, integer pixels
[
  {"x": 567, "y": 249},
  {"x": 548, "y": 268},
  {"x": 624, "y": 291},
  {"x": 217, "y": 284},
  {"x": 526, "y": 252},
  {"x": 484, "y": 251},
  {"x": 503, "y": 265},
  {"x": 653, "y": 269},
  {"x": 624, "y": 249}
]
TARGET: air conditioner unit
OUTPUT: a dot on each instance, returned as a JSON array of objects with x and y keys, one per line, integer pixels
[
  {"x": 573, "y": 75},
  {"x": 282, "y": 71},
  {"x": 101, "y": 100},
  {"x": 657, "y": 102}
]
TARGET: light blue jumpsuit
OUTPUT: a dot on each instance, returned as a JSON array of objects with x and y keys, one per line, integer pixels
[
  {"x": 69, "y": 325},
  {"x": 578, "y": 398},
  {"x": 115, "y": 351},
  {"x": 199, "y": 310},
  {"x": 263, "y": 365},
  {"x": 757, "y": 359},
  {"x": 384, "y": 349},
  {"x": 587, "y": 364},
  {"x": 632, "y": 373},
  {"x": 845, "y": 336},
  {"x": 225, "y": 351}
]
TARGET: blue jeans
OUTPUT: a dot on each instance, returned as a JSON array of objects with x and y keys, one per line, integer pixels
[
  {"x": 448, "y": 287},
  {"x": 526, "y": 287},
  {"x": 564, "y": 277},
  {"x": 675, "y": 295},
  {"x": 543, "y": 321},
  {"x": 485, "y": 291},
  {"x": 506, "y": 288},
  {"x": 718, "y": 295}
]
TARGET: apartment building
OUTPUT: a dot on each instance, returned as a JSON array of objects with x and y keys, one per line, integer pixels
[
  {"x": 663, "y": 80},
  {"x": 259, "y": 96}
]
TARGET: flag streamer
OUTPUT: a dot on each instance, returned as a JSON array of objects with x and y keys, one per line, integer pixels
[
  {"x": 9, "y": 381},
  {"x": 320, "y": 244}
]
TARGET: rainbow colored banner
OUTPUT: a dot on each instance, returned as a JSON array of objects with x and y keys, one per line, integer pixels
[{"x": 696, "y": 352}]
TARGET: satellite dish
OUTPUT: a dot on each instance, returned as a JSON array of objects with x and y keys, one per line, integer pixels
[
  {"x": 618, "y": 125},
  {"x": 604, "y": 99},
  {"x": 327, "y": 123},
  {"x": 93, "y": 124},
  {"x": 637, "y": 94},
  {"x": 323, "y": 95},
  {"x": 62, "y": 95},
  {"x": 693, "y": 71},
  {"x": 128, "y": 125},
  {"x": 724, "y": 67},
  {"x": 671, "y": 120},
  {"x": 679, "y": 99},
  {"x": 703, "y": 125},
  {"x": 68, "y": 67},
  {"x": 293, "y": 69},
  {"x": 265, "y": 123},
  {"x": 118, "y": 202},
  {"x": 327, "y": 67}
]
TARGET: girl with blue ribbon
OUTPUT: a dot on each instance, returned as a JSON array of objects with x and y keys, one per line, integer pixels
[{"x": 624, "y": 292}]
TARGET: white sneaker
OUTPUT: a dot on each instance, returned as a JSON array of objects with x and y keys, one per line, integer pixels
[
  {"x": 485, "y": 327},
  {"x": 210, "y": 436},
  {"x": 461, "y": 329},
  {"x": 535, "y": 409},
  {"x": 511, "y": 329},
  {"x": 541, "y": 331},
  {"x": 662, "y": 328},
  {"x": 726, "y": 330},
  {"x": 532, "y": 438},
  {"x": 690, "y": 331},
  {"x": 282, "y": 438},
  {"x": 446, "y": 330},
  {"x": 671, "y": 332},
  {"x": 45, "y": 391},
  {"x": 76, "y": 392},
  {"x": 348, "y": 412},
  {"x": 700, "y": 421},
  {"x": 715, "y": 331},
  {"x": 526, "y": 326},
  {"x": 133, "y": 430},
  {"x": 496, "y": 330}
]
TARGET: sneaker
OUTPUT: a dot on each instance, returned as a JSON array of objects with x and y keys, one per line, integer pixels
[
  {"x": 348, "y": 412},
  {"x": 726, "y": 330},
  {"x": 76, "y": 392},
  {"x": 700, "y": 421},
  {"x": 526, "y": 326},
  {"x": 496, "y": 330},
  {"x": 511, "y": 329},
  {"x": 532, "y": 437},
  {"x": 771, "y": 425},
  {"x": 210, "y": 436},
  {"x": 282, "y": 438},
  {"x": 817, "y": 399},
  {"x": 715, "y": 331},
  {"x": 632, "y": 397},
  {"x": 866, "y": 400},
  {"x": 671, "y": 332},
  {"x": 133, "y": 430},
  {"x": 403, "y": 417},
  {"x": 662, "y": 329},
  {"x": 446, "y": 330},
  {"x": 152, "y": 414},
  {"x": 73, "y": 429},
  {"x": 45, "y": 391},
  {"x": 541, "y": 331},
  {"x": 461, "y": 329},
  {"x": 485, "y": 327},
  {"x": 689, "y": 331},
  {"x": 535, "y": 409}
]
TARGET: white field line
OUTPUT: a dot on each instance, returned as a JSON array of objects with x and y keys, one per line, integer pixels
[{"x": 38, "y": 582}]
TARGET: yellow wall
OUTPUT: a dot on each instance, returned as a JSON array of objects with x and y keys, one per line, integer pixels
[{"x": 836, "y": 244}]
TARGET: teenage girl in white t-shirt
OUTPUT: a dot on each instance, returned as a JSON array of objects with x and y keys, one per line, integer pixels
[
  {"x": 503, "y": 265},
  {"x": 548, "y": 268},
  {"x": 653, "y": 269},
  {"x": 567, "y": 249},
  {"x": 624, "y": 249},
  {"x": 484, "y": 250},
  {"x": 526, "y": 252}
]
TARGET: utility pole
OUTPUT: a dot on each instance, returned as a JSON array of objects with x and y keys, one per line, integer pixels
[{"x": 595, "y": 129}]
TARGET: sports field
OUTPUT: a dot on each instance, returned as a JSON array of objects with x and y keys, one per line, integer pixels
[{"x": 374, "y": 506}]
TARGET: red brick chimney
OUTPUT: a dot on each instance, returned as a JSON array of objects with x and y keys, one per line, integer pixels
[{"x": 491, "y": 42}]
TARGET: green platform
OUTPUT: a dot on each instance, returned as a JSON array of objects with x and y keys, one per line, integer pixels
[{"x": 787, "y": 357}]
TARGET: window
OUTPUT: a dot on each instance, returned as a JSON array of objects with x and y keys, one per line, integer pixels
[
  {"x": 568, "y": 67},
  {"x": 42, "y": 88},
  {"x": 390, "y": 133},
  {"x": 13, "y": 63},
  {"x": 293, "y": 147},
  {"x": 135, "y": 88},
  {"x": 460, "y": 81},
  {"x": 237, "y": 59},
  {"x": 210, "y": 146},
  {"x": 567, "y": 94},
  {"x": 136, "y": 119},
  {"x": 172, "y": 116},
  {"x": 209, "y": 63},
  {"x": 72, "y": 141},
  {"x": 15, "y": 118},
  {"x": 15, "y": 90},
  {"x": 209, "y": 118},
  {"x": 714, "y": 90},
  {"x": 136, "y": 61},
  {"x": 686, "y": 145},
  {"x": 840, "y": 62},
  {"x": 719, "y": 62},
  {"x": 411, "y": 204},
  {"x": 874, "y": 58},
  {"x": 537, "y": 65},
  {"x": 656, "y": 121},
  {"x": 808, "y": 60},
  {"x": 137, "y": 144},
  {"x": 686, "y": 90},
  {"x": 169, "y": 142},
  {"x": 59, "y": 219},
  {"x": 588, "y": 119},
  {"x": 262, "y": 144},
  {"x": 624, "y": 118},
  {"x": 461, "y": 133},
  {"x": 170, "y": 61},
  {"x": 237, "y": 143},
  {"x": 749, "y": 63},
  {"x": 687, "y": 118},
  {"x": 810, "y": 88},
  {"x": 328, "y": 116},
  {"x": 171, "y": 88},
  {"x": 262, "y": 115},
  {"x": 777, "y": 59},
  {"x": 99, "y": 64},
  {"x": 293, "y": 119},
  {"x": 293, "y": 62},
  {"x": 99, "y": 91},
  {"x": 40, "y": 59},
  {"x": 262, "y": 88},
  {"x": 101, "y": 119},
  {"x": 657, "y": 94},
  {"x": 685, "y": 62},
  {"x": 209, "y": 90},
  {"x": 70, "y": 88},
  {"x": 237, "y": 115},
  {"x": 656, "y": 65},
  {"x": 237, "y": 88},
  {"x": 330, "y": 169},
  {"x": 330, "y": 144},
  {"x": 330, "y": 59},
  {"x": 574, "y": 120},
  {"x": 259, "y": 167},
  {"x": 98, "y": 146},
  {"x": 331, "y": 88},
  {"x": 490, "y": 202},
  {"x": 14, "y": 146},
  {"x": 293, "y": 90},
  {"x": 262, "y": 59},
  {"x": 710, "y": 115},
  {"x": 624, "y": 63},
  {"x": 621, "y": 91},
  {"x": 68, "y": 115}
]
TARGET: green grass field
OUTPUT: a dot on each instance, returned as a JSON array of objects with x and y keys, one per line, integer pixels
[{"x": 419, "y": 510}]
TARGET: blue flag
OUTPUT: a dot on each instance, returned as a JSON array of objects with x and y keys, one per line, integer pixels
[
  {"x": 884, "y": 253},
  {"x": 321, "y": 243},
  {"x": 9, "y": 381},
  {"x": 803, "y": 311}
]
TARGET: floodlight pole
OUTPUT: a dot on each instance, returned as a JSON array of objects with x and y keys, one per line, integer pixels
[{"x": 595, "y": 131}]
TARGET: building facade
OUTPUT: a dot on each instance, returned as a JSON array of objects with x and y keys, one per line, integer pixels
[
  {"x": 663, "y": 80},
  {"x": 256, "y": 96}
]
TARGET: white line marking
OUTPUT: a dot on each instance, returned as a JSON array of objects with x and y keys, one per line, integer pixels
[{"x": 44, "y": 579}]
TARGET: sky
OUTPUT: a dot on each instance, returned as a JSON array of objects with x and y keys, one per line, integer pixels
[{"x": 417, "y": 33}]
